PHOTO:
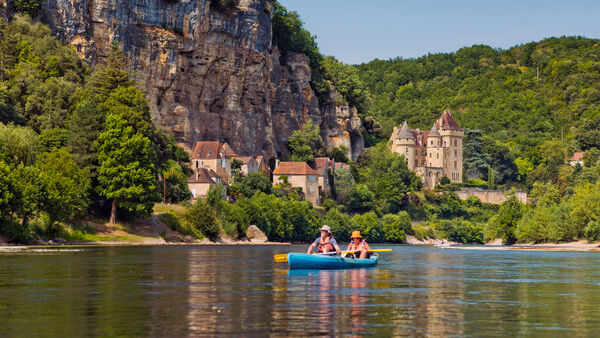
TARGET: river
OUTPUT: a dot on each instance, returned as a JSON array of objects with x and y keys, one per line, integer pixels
[{"x": 240, "y": 290}]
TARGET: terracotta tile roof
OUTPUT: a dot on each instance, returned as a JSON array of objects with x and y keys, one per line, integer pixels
[
  {"x": 212, "y": 150},
  {"x": 294, "y": 168},
  {"x": 204, "y": 175},
  {"x": 577, "y": 156},
  {"x": 342, "y": 165},
  {"x": 448, "y": 122},
  {"x": 244, "y": 159},
  {"x": 321, "y": 165}
]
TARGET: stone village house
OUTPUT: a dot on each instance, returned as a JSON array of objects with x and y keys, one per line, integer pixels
[
  {"x": 254, "y": 164},
  {"x": 299, "y": 175},
  {"x": 213, "y": 155},
  {"x": 201, "y": 181},
  {"x": 322, "y": 165},
  {"x": 432, "y": 154}
]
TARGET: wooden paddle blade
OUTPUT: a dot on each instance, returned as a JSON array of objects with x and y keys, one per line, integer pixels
[{"x": 281, "y": 258}]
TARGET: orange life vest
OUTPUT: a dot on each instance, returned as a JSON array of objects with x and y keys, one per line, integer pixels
[{"x": 325, "y": 245}]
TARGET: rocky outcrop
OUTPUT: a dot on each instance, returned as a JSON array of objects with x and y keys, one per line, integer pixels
[
  {"x": 255, "y": 235},
  {"x": 210, "y": 73}
]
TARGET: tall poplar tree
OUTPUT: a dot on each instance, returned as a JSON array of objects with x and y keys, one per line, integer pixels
[{"x": 127, "y": 174}]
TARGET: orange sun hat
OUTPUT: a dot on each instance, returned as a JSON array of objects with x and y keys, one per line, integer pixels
[{"x": 355, "y": 234}]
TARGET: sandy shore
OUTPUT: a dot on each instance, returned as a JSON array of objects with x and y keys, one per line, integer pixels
[{"x": 570, "y": 246}]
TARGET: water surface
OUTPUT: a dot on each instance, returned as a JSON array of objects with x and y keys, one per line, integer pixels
[{"x": 239, "y": 290}]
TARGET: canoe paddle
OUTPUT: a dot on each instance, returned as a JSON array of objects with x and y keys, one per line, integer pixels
[{"x": 282, "y": 258}]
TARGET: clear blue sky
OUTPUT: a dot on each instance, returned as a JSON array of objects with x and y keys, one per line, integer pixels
[{"x": 356, "y": 31}]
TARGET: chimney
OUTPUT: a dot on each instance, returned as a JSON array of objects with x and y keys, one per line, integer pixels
[{"x": 277, "y": 163}]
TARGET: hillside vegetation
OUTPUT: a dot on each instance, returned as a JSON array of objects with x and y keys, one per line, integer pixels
[{"x": 520, "y": 97}]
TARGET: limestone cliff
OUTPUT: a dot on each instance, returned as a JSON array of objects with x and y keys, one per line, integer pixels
[{"x": 210, "y": 73}]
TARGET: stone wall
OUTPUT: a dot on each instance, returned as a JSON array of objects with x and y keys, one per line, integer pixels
[
  {"x": 490, "y": 196},
  {"x": 209, "y": 73}
]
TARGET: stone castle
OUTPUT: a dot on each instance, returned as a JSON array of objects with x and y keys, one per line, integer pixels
[{"x": 432, "y": 154}]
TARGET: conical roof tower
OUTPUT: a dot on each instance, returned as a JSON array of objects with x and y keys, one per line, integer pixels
[{"x": 405, "y": 132}]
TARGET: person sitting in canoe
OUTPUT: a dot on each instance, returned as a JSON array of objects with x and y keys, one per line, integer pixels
[
  {"x": 326, "y": 243},
  {"x": 358, "y": 245}
]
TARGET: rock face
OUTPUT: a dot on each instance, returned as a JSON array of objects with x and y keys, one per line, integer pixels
[
  {"x": 255, "y": 235},
  {"x": 210, "y": 73}
]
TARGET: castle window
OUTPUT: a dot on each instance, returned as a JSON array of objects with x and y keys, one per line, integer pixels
[
  {"x": 431, "y": 142},
  {"x": 455, "y": 165},
  {"x": 429, "y": 155},
  {"x": 438, "y": 155},
  {"x": 455, "y": 143},
  {"x": 444, "y": 143},
  {"x": 406, "y": 151},
  {"x": 455, "y": 153},
  {"x": 196, "y": 164}
]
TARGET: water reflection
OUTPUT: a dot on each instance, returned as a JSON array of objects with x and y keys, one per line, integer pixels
[{"x": 199, "y": 291}]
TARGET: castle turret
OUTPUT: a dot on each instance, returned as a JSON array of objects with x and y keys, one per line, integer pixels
[
  {"x": 405, "y": 144},
  {"x": 452, "y": 141},
  {"x": 435, "y": 151}
]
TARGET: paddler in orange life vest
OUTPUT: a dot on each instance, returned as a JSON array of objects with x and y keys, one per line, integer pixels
[
  {"x": 358, "y": 245},
  {"x": 325, "y": 243}
]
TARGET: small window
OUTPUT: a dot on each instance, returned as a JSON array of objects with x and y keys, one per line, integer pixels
[
  {"x": 406, "y": 151},
  {"x": 444, "y": 143},
  {"x": 431, "y": 142},
  {"x": 429, "y": 155},
  {"x": 202, "y": 163},
  {"x": 438, "y": 156},
  {"x": 196, "y": 164},
  {"x": 455, "y": 143},
  {"x": 455, "y": 165},
  {"x": 455, "y": 153}
]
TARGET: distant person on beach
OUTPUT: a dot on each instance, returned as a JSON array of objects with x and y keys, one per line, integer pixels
[
  {"x": 358, "y": 245},
  {"x": 326, "y": 243}
]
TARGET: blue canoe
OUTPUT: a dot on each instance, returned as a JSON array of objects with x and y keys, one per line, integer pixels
[{"x": 313, "y": 262}]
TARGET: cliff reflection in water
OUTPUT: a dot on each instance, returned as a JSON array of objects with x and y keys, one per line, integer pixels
[{"x": 238, "y": 290}]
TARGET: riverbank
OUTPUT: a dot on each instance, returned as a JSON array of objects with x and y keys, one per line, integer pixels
[
  {"x": 149, "y": 231},
  {"x": 583, "y": 246}
]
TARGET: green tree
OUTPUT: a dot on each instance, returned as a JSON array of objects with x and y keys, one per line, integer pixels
[
  {"x": 30, "y": 7},
  {"x": 340, "y": 224},
  {"x": 234, "y": 220},
  {"x": 343, "y": 185},
  {"x": 113, "y": 74},
  {"x": 85, "y": 125},
  {"x": 254, "y": 183},
  {"x": 396, "y": 227},
  {"x": 18, "y": 145},
  {"x": 503, "y": 225},
  {"x": 388, "y": 177},
  {"x": 28, "y": 193},
  {"x": 126, "y": 175},
  {"x": 305, "y": 141},
  {"x": 591, "y": 157},
  {"x": 360, "y": 199},
  {"x": 340, "y": 154},
  {"x": 203, "y": 219},
  {"x": 475, "y": 159},
  {"x": 5, "y": 190},
  {"x": 66, "y": 186},
  {"x": 369, "y": 226},
  {"x": 585, "y": 209}
]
